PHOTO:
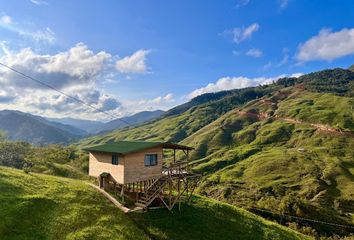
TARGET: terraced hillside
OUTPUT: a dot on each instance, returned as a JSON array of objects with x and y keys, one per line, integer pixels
[{"x": 36, "y": 206}]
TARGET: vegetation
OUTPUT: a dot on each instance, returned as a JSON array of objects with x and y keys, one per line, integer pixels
[
  {"x": 280, "y": 165},
  {"x": 52, "y": 159},
  {"x": 270, "y": 151},
  {"x": 36, "y": 206},
  {"x": 209, "y": 219}
]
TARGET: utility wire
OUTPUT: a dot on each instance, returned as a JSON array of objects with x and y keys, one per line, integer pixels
[{"x": 67, "y": 95}]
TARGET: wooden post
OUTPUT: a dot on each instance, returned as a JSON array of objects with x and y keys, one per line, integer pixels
[
  {"x": 170, "y": 194},
  {"x": 122, "y": 192},
  {"x": 179, "y": 194},
  {"x": 174, "y": 155}
]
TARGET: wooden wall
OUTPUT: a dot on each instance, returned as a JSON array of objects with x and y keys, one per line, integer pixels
[
  {"x": 135, "y": 169},
  {"x": 102, "y": 162},
  {"x": 131, "y": 167}
]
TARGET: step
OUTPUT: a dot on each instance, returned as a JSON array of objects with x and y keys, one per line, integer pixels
[{"x": 140, "y": 205}]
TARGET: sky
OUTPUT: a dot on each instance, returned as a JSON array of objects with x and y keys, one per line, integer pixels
[{"x": 124, "y": 56}]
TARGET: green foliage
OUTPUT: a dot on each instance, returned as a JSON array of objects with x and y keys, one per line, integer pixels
[
  {"x": 3, "y": 136},
  {"x": 52, "y": 159},
  {"x": 12, "y": 154},
  {"x": 337, "y": 81}
]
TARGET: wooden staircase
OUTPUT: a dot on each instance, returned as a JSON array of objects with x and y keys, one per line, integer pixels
[{"x": 152, "y": 192}]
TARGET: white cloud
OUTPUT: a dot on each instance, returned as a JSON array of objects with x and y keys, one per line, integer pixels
[
  {"x": 75, "y": 72},
  {"x": 39, "y": 2},
  {"x": 135, "y": 63},
  {"x": 283, "y": 3},
  {"x": 254, "y": 52},
  {"x": 243, "y": 33},
  {"x": 327, "y": 45},
  {"x": 167, "y": 98},
  {"x": 46, "y": 35},
  {"x": 5, "y": 19},
  {"x": 79, "y": 65},
  {"x": 228, "y": 83},
  {"x": 241, "y": 3}
]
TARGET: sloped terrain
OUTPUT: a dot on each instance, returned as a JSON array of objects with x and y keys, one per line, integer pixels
[
  {"x": 288, "y": 149},
  {"x": 290, "y": 153},
  {"x": 36, "y": 206}
]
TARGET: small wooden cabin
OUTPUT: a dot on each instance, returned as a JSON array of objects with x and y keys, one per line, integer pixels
[
  {"x": 137, "y": 168},
  {"x": 130, "y": 161}
]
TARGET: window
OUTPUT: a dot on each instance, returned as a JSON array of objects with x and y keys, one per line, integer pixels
[
  {"x": 115, "y": 160},
  {"x": 150, "y": 160}
]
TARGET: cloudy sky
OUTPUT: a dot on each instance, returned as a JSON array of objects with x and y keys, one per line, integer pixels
[{"x": 127, "y": 56}]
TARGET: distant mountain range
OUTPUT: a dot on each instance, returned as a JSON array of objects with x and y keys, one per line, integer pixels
[
  {"x": 133, "y": 120},
  {"x": 35, "y": 129},
  {"x": 95, "y": 127},
  {"x": 39, "y": 130}
]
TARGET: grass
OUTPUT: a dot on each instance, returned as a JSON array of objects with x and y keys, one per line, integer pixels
[
  {"x": 38, "y": 206},
  {"x": 208, "y": 219}
]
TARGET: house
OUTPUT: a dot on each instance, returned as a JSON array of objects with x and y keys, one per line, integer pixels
[{"x": 138, "y": 167}]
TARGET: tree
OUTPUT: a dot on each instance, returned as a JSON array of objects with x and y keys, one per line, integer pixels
[{"x": 3, "y": 136}]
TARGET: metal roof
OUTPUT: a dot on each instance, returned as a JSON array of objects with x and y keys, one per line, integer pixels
[{"x": 125, "y": 147}]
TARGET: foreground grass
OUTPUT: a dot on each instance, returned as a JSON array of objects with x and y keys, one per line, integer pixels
[
  {"x": 35, "y": 206},
  {"x": 209, "y": 219}
]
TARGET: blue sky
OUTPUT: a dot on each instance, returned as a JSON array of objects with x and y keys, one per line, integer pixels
[{"x": 128, "y": 56}]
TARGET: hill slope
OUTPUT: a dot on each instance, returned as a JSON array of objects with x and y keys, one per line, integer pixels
[
  {"x": 35, "y": 206},
  {"x": 291, "y": 152},
  {"x": 286, "y": 147},
  {"x": 134, "y": 119},
  {"x": 34, "y": 129}
]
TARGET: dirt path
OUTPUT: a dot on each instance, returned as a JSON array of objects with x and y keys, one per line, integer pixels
[{"x": 320, "y": 127}]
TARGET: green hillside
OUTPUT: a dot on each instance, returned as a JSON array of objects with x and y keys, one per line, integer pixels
[
  {"x": 35, "y": 206},
  {"x": 282, "y": 153},
  {"x": 183, "y": 121},
  {"x": 288, "y": 148}
]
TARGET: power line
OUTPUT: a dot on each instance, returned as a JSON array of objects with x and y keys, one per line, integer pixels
[{"x": 63, "y": 93}]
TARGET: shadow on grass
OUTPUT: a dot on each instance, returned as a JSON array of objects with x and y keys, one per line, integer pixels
[{"x": 204, "y": 219}]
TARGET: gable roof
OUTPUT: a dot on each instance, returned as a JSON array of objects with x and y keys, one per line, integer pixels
[{"x": 125, "y": 147}]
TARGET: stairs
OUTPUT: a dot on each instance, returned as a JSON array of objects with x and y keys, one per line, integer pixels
[{"x": 152, "y": 192}]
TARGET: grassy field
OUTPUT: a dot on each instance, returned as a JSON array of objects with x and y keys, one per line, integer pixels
[
  {"x": 208, "y": 219},
  {"x": 37, "y": 206}
]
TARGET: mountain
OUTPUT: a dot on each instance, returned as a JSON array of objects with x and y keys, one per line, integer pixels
[
  {"x": 134, "y": 120},
  {"x": 38, "y": 206},
  {"x": 34, "y": 129},
  {"x": 88, "y": 126},
  {"x": 96, "y": 127},
  {"x": 286, "y": 147}
]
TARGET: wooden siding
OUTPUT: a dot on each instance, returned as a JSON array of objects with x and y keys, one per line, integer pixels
[
  {"x": 131, "y": 166},
  {"x": 135, "y": 169},
  {"x": 102, "y": 162}
]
